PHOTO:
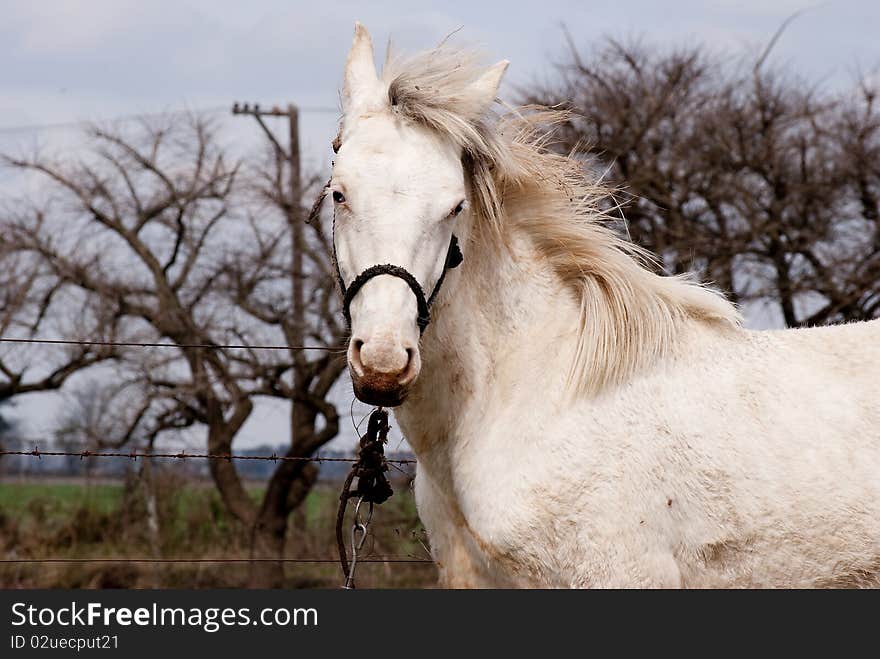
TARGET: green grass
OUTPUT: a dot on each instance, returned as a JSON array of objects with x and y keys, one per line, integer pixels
[
  {"x": 61, "y": 497},
  {"x": 80, "y": 520}
]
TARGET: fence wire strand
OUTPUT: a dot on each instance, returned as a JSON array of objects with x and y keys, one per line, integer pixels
[
  {"x": 183, "y": 455},
  {"x": 156, "y": 344},
  {"x": 376, "y": 559}
]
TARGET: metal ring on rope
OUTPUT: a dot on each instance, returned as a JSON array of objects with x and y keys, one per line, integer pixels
[{"x": 373, "y": 488}]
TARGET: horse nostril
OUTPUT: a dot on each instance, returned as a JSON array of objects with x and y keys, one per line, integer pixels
[
  {"x": 355, "y": 357},
  {"x": 410, "y": 371}
]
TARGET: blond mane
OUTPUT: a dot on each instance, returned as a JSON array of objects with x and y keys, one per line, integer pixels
[{"x": 630, "y": 316}]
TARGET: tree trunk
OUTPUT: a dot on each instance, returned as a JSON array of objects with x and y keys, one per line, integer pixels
[
  {"x": 284, "y": 494},
  {"x": 220, "y": 435}
]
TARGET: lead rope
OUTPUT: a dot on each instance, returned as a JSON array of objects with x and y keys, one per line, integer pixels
[{"x": 372, "y": 488}]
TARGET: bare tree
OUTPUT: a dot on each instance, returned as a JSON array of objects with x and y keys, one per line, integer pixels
[
  {"x": 759, "y": 181},
  {"x": 258, "y": 281},
  {"x": 33, "y": 302},
  {"x": 164, "y": 232}
]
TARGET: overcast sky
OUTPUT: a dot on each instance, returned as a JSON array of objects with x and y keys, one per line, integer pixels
[
  {"x": 64, "y": 61},
  {"x": 68, "y": 60}
]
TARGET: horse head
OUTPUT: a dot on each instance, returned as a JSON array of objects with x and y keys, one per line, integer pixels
[{"x": 399, "y": 192}]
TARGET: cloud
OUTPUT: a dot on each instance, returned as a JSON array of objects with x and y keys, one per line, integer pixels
[{"x": 67, "y": 27}]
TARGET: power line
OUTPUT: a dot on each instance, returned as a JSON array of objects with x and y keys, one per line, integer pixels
[
  {"x": 22, "y": 128},
  {"x": 118, "y": 118}
]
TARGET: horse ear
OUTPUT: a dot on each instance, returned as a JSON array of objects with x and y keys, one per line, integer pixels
[
  {"x": 485, "y": 88},
  {"x": 361, "y": 81}
]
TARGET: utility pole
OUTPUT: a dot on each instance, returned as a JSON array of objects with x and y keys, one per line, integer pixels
[{"x": 295, "y": 332}]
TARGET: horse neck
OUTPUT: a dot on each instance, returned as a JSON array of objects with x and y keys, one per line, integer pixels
[{"x": 503, "y": 322}]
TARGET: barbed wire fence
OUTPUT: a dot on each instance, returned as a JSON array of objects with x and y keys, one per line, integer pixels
[
  {"x": 133, "y": 455},
  {"x": 183, "y": 455}
]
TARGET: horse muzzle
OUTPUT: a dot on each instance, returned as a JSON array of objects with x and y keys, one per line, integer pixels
[
  {"x": 382, "y": 371},
  {"x": 382, "y": 365}
]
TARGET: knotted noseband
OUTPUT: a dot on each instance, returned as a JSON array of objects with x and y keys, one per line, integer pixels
[{"x": 453, "y": 260}]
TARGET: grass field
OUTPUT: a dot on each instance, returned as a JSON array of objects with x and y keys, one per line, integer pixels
[{"x": 100, "y": 520}]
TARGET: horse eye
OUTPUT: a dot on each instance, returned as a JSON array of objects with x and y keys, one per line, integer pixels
[
  {"x": 458, "y": 209},
  {"x": 338, "y": 197}
]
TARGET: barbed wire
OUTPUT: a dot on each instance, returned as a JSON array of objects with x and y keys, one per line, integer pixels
[
  {"x": 37, "y": 453},
  {"x": 183, "y": 455},
  {"x": 156, "y": 344},
  {"x": 376, "y": 559}
]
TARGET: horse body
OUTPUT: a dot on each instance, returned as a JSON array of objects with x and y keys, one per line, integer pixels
[
  {"x": 580, "y": 420},
  {"x": 741, "y": 459}
]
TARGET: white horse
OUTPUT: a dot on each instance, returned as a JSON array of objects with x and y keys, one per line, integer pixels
[{"x": 578, "y": 420}]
